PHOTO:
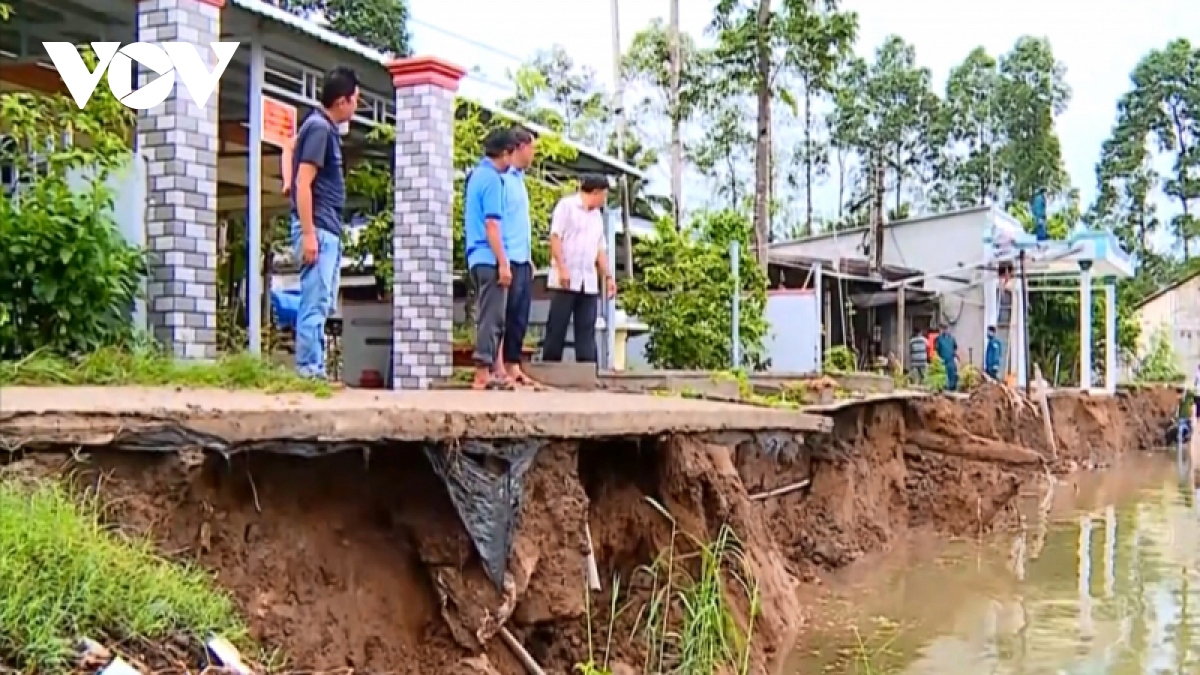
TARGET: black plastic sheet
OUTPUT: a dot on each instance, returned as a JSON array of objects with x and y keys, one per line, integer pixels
[{"x": 486, "y": 483}]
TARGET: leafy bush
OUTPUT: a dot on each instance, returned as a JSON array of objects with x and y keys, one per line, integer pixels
[
  {"x": 68, "y": 278},
  {"x": 1160, "y": 365},
  {"x": 935, "y": 374},
  {"x": 685, "y": 294},
  {"x": 840, "y": 359}
]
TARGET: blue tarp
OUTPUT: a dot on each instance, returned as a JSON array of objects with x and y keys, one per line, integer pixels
[{"x": 285, "y": 305}]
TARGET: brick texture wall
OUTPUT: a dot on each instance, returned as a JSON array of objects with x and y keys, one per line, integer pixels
[
  {"x": 179, "y": 142},
  {"x": 422, "y": 292}
]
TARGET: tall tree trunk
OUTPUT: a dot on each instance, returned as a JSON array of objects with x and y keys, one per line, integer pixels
[
  {"x": 762, "y": 149},
  {"x": 841, "y": 160},
  {"x": 676, "y": 121},
  {"x": 808, "y": 157}
]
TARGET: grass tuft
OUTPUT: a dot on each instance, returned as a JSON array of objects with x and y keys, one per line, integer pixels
[
  {"x": 706, "y": 637},
  {"x": 65, "y": 576},
  {"x": 152, "y": 368}
]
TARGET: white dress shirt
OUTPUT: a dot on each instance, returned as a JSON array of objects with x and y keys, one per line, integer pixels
[{"x": 581, "y": 232}]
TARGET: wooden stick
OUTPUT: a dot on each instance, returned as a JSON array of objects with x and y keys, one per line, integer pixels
[
  {"x": 779, "y": 492},
  {"x": 1043, "y": 395},
  {"x": 593, "y": 571},
  {"x": 526, "y": 660}
]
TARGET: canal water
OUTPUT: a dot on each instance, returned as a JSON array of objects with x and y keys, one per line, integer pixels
[{"x": 1102, "y": 579}]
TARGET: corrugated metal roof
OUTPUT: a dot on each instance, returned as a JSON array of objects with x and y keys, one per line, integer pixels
[{"x": 273, "y": 13}]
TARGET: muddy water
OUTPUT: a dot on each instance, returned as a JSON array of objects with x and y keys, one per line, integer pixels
[{"x": 1103, "y": 579}]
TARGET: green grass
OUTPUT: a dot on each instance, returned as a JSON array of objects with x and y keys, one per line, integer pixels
[
  {"x": 65, "y": 576},
  {"x": 151, "y": 368},
  {"x": 705, "y": 637}
]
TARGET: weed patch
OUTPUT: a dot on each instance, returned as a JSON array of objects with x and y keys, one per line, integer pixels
[
  {"x": 152, "y": 368},
  {"x": 66, "y": 576}
]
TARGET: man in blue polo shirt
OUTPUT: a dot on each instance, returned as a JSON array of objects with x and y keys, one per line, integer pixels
[
  {"x": 518, "y": 245},
  {"x": 487, "y": 260}
]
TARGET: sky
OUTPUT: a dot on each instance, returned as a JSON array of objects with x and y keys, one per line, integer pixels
[{"x": 1100, "y": 41}]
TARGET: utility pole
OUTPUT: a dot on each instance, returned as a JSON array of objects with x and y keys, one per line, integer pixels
[
  {"x": 877, "y": 219},
  {"x": 676, "y": 121},
  {"x": 619, "y": 111}
]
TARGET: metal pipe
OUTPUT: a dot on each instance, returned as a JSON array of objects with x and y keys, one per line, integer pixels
[
  {"x": 735, "y": 254},
  {"x": 254, "y": 228},
  {"x": 1025, "y": 325}
]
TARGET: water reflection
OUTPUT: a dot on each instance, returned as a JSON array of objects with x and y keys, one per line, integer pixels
[{"x": 1102, "y": 580}]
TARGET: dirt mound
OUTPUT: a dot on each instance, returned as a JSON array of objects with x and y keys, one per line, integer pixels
[{"x": 358, "y": 559}]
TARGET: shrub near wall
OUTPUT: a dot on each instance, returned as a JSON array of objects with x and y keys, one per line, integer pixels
[{"x": 68, "y": 278}]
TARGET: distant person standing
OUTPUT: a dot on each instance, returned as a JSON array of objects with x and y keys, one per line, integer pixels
[
  {"x": 517, "y": 234},
  {"x": 579, "y": 270},
  {"x": 318, "y": 194},
  {"x": 487, "y": 260},
  {"x": 918, "y": 357},
  {"x": 947, "y": 350},
  {"x": 991, "y": 355}
]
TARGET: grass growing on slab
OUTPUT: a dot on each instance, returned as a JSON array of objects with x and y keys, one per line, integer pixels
[
  {"x": 65, "y": 576},
  {"x": 152, "y": 368}
]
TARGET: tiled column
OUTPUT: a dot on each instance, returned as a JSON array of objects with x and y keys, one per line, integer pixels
[
  {"x": 423, "y": 239},
  {"x": 178, "y": 140}
]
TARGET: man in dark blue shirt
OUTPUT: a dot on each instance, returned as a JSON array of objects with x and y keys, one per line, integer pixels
[{"x": 318, "y": 193}]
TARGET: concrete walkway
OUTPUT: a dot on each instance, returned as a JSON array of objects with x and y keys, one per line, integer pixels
[{"x": 100, "y": 415}]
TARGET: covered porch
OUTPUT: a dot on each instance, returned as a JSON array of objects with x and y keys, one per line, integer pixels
[{"x": 213, "y": 172}]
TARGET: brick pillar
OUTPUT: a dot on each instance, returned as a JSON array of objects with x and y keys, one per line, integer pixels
[
  {"x": 423, "y": 239},
  {"x": 178, "y": 140}
]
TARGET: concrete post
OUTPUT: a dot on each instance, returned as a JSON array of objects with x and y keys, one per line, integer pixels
[
  {"x": 1110, "y": 334},
  {"x": 423, "y": 235},
  {"x": 1085, "y": 325},
  {"x": 178, "y": 140}
]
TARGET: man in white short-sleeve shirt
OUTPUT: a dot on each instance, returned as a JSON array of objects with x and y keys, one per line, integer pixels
[{"x": 579, "y": 269}]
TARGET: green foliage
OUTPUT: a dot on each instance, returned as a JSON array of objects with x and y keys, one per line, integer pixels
[
  {"x": 65, "y": 575},
  {"x": 68, "y": 278},
  {"x": 1160, "y": 365},
  {"x": 935, "y": 374},
  {"x": 701, "y": 579},
  {"x": 381, "y": 24},
  {"x": 686, "y": 290},
  {"x": 840, "y": 359},
  {"x": 148, "y": 366}
]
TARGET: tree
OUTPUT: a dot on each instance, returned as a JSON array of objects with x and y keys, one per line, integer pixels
[
  {"x": 825, "y": 41},
  {"x": 1126, "y": 178},
  {"x": 971, "y": 123},
  {"x": 886, "y": 112},
  {"x": 1163, "y": 108},
  {"x": 381, "y": 24},
  {"x": 1032, "y": 92},
  {"x": 685, "y": 293},
  {"x": 645, "y": 65},
  {"x": 553, "y": 91}
]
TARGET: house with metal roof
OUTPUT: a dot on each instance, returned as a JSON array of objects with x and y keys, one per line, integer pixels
[{"x": 202, "y": 163}]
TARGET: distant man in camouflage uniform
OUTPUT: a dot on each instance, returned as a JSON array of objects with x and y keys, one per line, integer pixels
[{"x": 918, "y": 357}]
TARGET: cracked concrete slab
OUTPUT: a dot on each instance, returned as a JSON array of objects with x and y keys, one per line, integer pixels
[{"x": 92, "y": 416}]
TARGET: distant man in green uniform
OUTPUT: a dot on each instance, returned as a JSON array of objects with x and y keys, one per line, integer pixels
[
  {"x": 918, "y": 357},
  {"x": 947, "y": 350},
  {"x": 991, "y": 358}
]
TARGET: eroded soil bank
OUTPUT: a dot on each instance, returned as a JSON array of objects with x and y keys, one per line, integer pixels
[{"x": 359, "y": 560}]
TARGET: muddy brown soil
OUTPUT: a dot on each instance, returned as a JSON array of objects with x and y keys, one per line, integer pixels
[{"x": 358, "y": 559}]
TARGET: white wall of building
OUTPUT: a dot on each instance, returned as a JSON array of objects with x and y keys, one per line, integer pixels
[{"x": 931, "y": 244}]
